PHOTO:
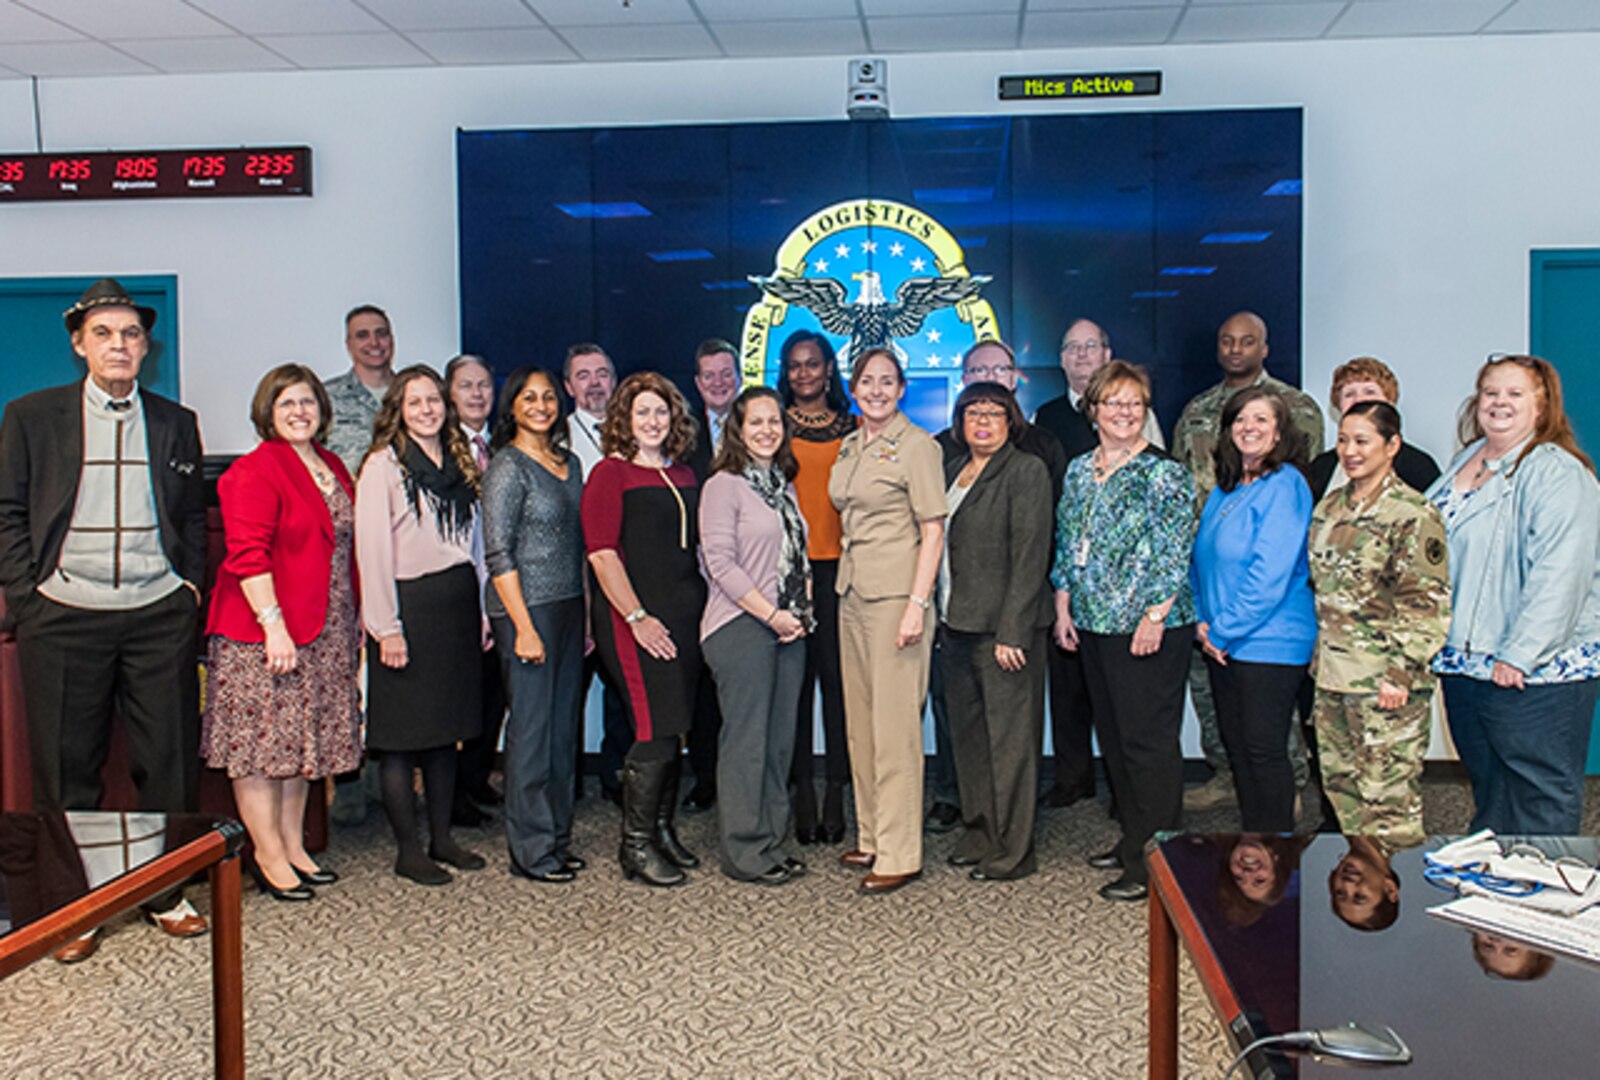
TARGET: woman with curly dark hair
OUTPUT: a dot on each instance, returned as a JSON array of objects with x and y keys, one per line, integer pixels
[
  {"x": 640, "y": 511},
  {"x": 419, "y": 549}
]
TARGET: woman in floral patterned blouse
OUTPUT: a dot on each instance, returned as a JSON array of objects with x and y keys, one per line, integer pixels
[{"x": 1124, "y": 530}]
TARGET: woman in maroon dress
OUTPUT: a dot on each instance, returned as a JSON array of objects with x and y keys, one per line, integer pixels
[
  {"x": 640, "y": 514},
  {"x": 281, "y": 705}
]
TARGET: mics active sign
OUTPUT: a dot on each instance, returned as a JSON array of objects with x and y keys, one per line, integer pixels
[{"x": 1097, "y": 85}]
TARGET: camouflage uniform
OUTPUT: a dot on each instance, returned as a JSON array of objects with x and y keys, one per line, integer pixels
[
  {"x": 354, "y": 408},
  {"x": 1383, "y": 609},
  {"x": 1194, "y": 442}
]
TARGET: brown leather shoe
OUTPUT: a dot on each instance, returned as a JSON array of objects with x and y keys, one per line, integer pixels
[
  {"x": 181, "y": 921},
  {"x": 887, "y": 883},
  {"x": 860, "y": 860},
  {"x": 78, "y": 949}
]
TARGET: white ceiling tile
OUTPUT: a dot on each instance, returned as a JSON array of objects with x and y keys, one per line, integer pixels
[
  {"x": 18, "y": 26},
  {"x": 1103, "y": 5},
  {"x": 559, "y": 13},
  {"x": 1256, "y": 22},
  {"x": 297, "y": 17},
  {"x": 755, "y": 10},
  {"x": 347, "y": 50},
  {"x": 880, "y": 8},
  {"x": 1066, "y": 29},
  {"x": 527, "y": 45},
  {"x": 1552, "y": 15},
  {"x": 454, "y": 15},
  {"x": 129, "y": 19},
  {"x": 944, "y": 33},
  {"x": 177, "y": 55},
  {"x": 800, "y": 37},
  {"x": 71, "y": 58},
  {"x": 1385, "y": 18},
  {"x": 662, "y": 42}
]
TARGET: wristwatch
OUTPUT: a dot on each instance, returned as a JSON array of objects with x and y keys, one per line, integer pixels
[
  {"x": 921, "y": 601},
  {"x": 636, "y": 615},
  {"x": 1155, "y": 616}
]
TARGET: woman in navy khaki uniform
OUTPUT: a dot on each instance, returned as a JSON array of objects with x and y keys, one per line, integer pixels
[
  {"x": 758, "y": 612},
  {"x": 1521, "y": 667},
  {"x": 887, "y": 486},
  {"x": 994, "y": 602},
  {"x": 533, "y": 547}
]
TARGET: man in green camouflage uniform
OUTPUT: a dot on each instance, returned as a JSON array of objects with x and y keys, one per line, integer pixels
[
  {"x": 1242, "y": 355},
  {"x": 1379, "y": 568}
]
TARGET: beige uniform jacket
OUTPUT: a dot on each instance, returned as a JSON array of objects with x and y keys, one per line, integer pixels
[{"x": 883, "y": 491}]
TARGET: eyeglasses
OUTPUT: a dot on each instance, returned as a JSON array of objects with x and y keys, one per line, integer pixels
[
  {"x": 1078, "y": 348},
  {"x": 985, "y": 371},
  {"x": 1121, "y": 406},
  {"x": 986, "y": 416}
]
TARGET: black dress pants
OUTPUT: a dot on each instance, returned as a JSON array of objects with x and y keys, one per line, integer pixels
[
  {"x": 1071, "y": 721},
  {"x": 822, "y": 668},
  {"x": 1138, "y": 714},
  {"x": 1255, "y": 705},
  {"x": 78, "y": 666}
]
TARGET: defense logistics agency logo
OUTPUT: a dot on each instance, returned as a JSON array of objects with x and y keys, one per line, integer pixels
[{"x": 937, "y": 312}]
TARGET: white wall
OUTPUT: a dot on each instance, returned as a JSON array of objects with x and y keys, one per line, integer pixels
[{"x": 1431, "y": 166}]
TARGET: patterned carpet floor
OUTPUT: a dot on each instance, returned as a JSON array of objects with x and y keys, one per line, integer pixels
[{"x": 493, "y": 976}]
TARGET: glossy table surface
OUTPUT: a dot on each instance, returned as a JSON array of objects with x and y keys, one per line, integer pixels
[{"x": 1313, "y": 932}]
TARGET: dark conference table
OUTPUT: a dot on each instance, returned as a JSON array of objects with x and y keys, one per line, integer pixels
[
  {"x": 64, "y": 874},
  {"x": 1289, "y": 961}
]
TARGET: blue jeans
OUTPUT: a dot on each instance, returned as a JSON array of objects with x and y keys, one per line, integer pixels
[{"x": 1524, "y": 751}]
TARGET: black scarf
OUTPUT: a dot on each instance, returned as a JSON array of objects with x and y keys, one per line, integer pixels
[
  {"x": 445, "y": 489},
  {"x": 794, "y": 570}
]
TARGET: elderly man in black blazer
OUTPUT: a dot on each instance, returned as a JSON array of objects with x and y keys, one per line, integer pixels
[
  {"x": 102, "y": 556},
  {"x": 995, "y": 606}
]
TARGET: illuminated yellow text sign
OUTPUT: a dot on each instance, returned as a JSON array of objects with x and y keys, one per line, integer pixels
[{"x": 1101, "y": 85}]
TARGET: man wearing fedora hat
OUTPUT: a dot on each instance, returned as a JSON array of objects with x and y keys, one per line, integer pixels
[{"x": 102, "y": 554}]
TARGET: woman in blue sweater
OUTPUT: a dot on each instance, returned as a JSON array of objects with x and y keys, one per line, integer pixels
[{"x": 1257, "y": 623}]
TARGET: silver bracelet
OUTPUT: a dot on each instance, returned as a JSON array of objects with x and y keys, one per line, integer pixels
[{"x": 269, "y": 615}]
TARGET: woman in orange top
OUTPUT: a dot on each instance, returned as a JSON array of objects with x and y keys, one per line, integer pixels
[{"x": 819, "y": 418}]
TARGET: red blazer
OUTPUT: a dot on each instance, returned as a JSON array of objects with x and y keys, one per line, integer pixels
[{"x": 275, "y": 521}]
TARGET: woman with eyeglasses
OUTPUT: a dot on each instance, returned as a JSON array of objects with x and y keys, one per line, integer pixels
[
  {"x": 818, "y": 411},
  {"x": 1124, "y": 532},
  {"x": 1521, "y": 666},
  {"x": 994, "y": 606}
]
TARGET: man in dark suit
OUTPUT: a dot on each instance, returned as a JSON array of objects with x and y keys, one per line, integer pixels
[
  {"x": 102, "y": 555},
  {"x": 716, "y": 378}
]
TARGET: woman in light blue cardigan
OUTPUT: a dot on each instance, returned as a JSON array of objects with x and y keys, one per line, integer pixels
[
  {"x": 1521, "y": 668},
  {"x": 1252, "y": 587}
]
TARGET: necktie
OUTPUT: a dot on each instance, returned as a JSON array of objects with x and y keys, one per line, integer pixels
[{"x": 480, "y": 452}]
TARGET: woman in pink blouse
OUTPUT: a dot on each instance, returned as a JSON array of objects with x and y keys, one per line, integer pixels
[{"x": 419, "y": 548}]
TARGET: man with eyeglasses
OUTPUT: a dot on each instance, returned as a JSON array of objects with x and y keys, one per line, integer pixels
[
  {"x": 1085, "y": 349},
  {"x": 1242, "y": 355},
  {"x": 994, "y": 362}
]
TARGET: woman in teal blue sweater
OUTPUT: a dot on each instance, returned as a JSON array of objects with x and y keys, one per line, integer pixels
[{"x": 1252, "y": 585}]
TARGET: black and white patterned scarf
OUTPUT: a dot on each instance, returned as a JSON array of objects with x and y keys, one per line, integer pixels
[{"x": 794, "y": 570}]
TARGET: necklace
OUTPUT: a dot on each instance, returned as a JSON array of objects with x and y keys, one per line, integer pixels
[
  {"x": 1105, "y": 465},
  {"x": 816, "y": 419}
]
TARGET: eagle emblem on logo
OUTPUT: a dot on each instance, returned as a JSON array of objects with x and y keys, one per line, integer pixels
[{"x": 937, "y": 311}]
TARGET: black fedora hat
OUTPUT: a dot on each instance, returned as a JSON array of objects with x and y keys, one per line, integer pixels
[{"x": 107, "y": 292}]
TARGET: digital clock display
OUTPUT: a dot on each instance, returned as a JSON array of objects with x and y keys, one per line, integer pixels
[{"x": 156, "y": 174}]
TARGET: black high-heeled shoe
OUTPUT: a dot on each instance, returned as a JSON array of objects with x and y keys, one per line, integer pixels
[
  {"x": 295, "y": 894},
  {"x": 314, "y": 877}
]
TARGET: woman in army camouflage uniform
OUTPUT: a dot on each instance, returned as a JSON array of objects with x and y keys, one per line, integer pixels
[{"x": 1378, "y": 567}]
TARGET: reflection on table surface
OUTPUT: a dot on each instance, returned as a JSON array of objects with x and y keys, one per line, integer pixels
[
  {"x": 49, "y": 859},
  {"x": 1317, "y": 932}
]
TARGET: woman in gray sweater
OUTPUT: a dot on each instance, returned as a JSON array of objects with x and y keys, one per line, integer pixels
[{"x": 533, "y": 545}]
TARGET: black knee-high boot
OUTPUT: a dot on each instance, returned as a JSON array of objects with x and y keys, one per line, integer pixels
[
  {"x": 666, "y": 835},
  {"x": 643, "y": 782}
]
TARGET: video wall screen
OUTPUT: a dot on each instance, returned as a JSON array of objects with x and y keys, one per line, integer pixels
[{"x": 930, "y": 233}]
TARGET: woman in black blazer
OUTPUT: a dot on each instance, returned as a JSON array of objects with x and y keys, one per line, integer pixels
[{"x": 995, "y": 606}]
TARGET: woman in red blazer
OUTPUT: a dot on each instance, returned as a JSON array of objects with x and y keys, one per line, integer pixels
[{"x": 281, "y": 701}]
